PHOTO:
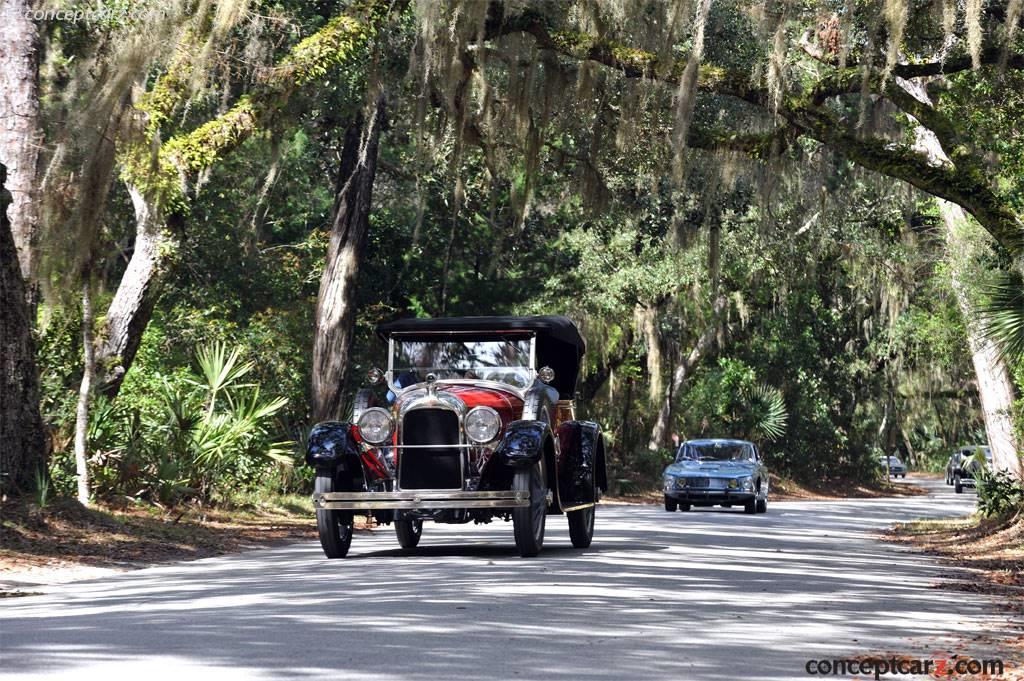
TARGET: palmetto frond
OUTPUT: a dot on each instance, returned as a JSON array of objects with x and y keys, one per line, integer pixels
[
  {"x": 767, "y": 412},
  {"x": 1002, "y": 313}
]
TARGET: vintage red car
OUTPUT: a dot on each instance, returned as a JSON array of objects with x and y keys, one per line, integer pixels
[{"x": 473, "y": 420}]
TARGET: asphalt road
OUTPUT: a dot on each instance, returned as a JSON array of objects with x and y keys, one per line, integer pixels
[{"x": 709, "y": 594}]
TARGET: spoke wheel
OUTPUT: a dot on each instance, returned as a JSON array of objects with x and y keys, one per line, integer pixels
[
  {"x": 334, "y": 527},
  {"x": 528, "y": 521},
  {"x": 581, "y": 526},
  {"x": 409, "y": 532}
]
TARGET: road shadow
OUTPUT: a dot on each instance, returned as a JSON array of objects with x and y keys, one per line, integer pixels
[{"x": 658, "y": 595}]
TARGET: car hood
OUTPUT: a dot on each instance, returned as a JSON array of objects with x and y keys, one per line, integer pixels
[
  {"x": 462, "y": 398},
  {"x": 711, "y": 468}
]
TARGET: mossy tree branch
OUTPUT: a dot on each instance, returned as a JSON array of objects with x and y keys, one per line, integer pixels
[
  {"x": 964, "y": 183},
  {"x": 159, "y": 170}
]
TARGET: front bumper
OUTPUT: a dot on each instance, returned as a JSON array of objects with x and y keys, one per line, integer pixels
[
  {"x": 428, "y": 499},
  {"x": 712, "y": 496}
]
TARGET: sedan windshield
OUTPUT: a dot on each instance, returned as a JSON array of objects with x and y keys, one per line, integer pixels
[
  {"x": 503, "y": 361},
  {"x": 715, "y": 451}
]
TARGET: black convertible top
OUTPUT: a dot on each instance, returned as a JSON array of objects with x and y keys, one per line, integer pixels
[{"x": 559, "y": 344}]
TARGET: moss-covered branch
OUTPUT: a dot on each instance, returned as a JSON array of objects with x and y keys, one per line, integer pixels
[
  {"x": 759, "y": 146},
  {"x": 631, "y": 62},
  {"x": 963, "y": 183},
  {"x": 158, "y": 172}
]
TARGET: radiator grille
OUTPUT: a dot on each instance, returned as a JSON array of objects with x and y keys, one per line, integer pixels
[{"x": 437, "y": 466}]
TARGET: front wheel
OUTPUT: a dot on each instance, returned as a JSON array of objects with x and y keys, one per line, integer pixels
[
  {"x": 670, "y": 504},
  {"x": 957, "y": 485},
  {"x": 334, "y": 527},
  {"x": 581, "y": 526},
  {"x": 762, "y": 505},
  {"x": 408, "y": 532},
  {"x": 528, "y": 521},
  {"x": 750, "y": 507}
]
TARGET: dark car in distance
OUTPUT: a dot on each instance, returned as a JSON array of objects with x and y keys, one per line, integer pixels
[
  {"x": 893, "y": 465},
  {"x": 963, "y": 466},
  {"x": 474, "y": 420}
]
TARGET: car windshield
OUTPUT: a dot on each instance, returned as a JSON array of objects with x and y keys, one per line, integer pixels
[
  {"x": 504, "y": 361},
  {"x": 715, "y": 451}
]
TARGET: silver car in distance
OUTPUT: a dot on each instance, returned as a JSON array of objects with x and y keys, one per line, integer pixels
[{"x": 717, "y": 472}]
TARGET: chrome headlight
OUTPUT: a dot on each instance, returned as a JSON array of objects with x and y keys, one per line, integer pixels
[
  {"x": 482, "y": 424},
  {"x": 747, "y": 484},
  {"x": 375, "y": 425}
]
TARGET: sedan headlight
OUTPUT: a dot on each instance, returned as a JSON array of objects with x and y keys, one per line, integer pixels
[
  {"x": 375, "y": 425},
  {"x": 747, "y": 484},
  {"x": 482, "y": 424}
]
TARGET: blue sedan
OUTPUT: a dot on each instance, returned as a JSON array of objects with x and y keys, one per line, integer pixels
[{"x": 717, "y": 472}]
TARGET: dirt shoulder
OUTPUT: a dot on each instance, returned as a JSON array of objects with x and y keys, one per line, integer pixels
[
  {"x": 67, "y": 542},
  {"x": 993, "y": 551},
  {"x": 783, "y": 489}
]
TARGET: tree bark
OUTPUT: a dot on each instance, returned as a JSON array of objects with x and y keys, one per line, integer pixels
[
  {"x": 20, "y": 132},
  {"x": 340, "y": 41},
  {"x": 84, "y": 395},
  {"x": 703, "y": 345},
  {"x": 136, "y": 296},
  {"x": 23, "y": 451},
  {"x": 336, "y": 302},
  {"x": 647, "y": 317},
  {"x": 995, "y": 386}
]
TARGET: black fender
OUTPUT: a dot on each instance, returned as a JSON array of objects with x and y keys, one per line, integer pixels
[
  {"x": 522, "y": 443},
  {"x": 331, "y": 445},
  {"x": 582, "y": 475}
]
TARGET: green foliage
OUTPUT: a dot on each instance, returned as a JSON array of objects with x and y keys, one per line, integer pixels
[
  {"x": 1002, "y": 313},
  {"x": 729, "y": 401},
  {"x": 42, "y": 488},
  {"x": 999, "y": 493},
  {"x": 206, "y": 435}
]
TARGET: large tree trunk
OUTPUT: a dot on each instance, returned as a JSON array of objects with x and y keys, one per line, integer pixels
[
  {"x": 84, "y": 395},
  {"x": 136, "y": 296},
  {"x": 20, "y": 137},
  {"x": 994, "y": 384},
  {"x": 995, "y": 387},
  {"x": 336, "y": 303},
  {"x": 647, "y": 320},
  {"x": 23, "y": 451}
]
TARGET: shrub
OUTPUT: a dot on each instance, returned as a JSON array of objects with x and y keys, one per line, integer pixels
[{"x": 999, "y": 493}]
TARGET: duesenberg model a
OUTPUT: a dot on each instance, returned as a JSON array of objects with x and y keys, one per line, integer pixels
[{"x": 473, "y": 420}]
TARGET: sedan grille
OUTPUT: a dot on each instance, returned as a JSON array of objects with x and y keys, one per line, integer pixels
[{"x": 434, "y": 463}]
